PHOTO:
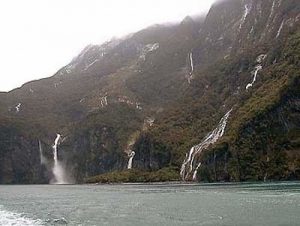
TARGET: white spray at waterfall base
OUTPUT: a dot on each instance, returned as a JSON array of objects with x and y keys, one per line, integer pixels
[
  {"x": 188, "y": 164},
  {"x": 58, "y": 170}
]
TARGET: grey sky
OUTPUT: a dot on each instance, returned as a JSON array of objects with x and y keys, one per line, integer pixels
[{"x": 40, "y": 36}]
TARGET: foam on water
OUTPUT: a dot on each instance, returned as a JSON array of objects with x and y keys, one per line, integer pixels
[
  {"x": 9, "y": 218},
  {"x": 215, "y": 204}
]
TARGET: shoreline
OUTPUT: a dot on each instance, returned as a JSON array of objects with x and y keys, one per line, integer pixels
[{"x": 183, "y": 183}]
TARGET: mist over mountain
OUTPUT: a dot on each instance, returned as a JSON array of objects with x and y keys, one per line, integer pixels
[{"x": 213, "y": 98}]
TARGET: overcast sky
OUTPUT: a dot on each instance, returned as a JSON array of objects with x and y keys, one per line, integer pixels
[{"x": 38, "y": 37}]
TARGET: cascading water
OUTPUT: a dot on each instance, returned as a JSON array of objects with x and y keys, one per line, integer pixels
[
  {"x": 196, "y": 171},
  {"x": 148, "y": 122},
  {"x": 247, "y": 10},
  {"x": 192, "y": 63},
  {"x": 255, "y": 72},
  {"x": 58, "y": 171},
  {"x": 190, "y": 76},
  {"x": 130, "y": 146},
  {"x": 131, "y": 156},
  {"x": 42, "y": 157},
  {"x": 280, "y": 28},
  {"x": 188, "y": 164},
  {"x": 257, "y": 68}
]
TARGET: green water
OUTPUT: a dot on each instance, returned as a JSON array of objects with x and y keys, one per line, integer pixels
[{"x": 167, "y": 204}]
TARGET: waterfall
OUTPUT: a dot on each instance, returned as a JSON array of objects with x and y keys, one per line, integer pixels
[
  {"x": 148, "y": 49},
  {"x": 255, "y": 72},
  {"x": 196, "y": 171},
  {"x": 188, "y": 159},
  {"x": 280, "y": 28},
  {"x": 212, "y": 137},
  {"x": 257, "y": 68},
  {"x": 190, "y": 76},
  {"x": 42, "y": 157},
  {"x": 103, "y": 101},
  {"x": 130, "y": 146},
  {"x": 131, "y": 156},
  {"x": 58, "y": 170},
  {"x": 192, "y": 63},
  {"x": 18, "y": 107},
  {"x": 247, "y": 10}
]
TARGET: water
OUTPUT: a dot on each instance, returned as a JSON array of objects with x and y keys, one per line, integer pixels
[
  {"x": 165, "y": 204},
  {"x": 190, "y": 76},
  {"x": 257, "y": 68},
  {"x": 188, "y": 163},
  {"x": 43, "y": 160},
  {"x": 58, "y": 170},
  {"x": 131, "y": 156}
]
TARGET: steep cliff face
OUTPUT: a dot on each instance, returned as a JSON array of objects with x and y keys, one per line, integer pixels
[
  {"x": 250, "y": 79},
  {"x": 215, "y": 98},
  {"x": 264, "y": 148},
  {"x": 234, "y": 26},
  {"x": 98, "y": 143},
  {"x": 20, "y": 156}
]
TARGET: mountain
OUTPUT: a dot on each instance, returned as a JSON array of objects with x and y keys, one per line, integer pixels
[{"x": 208, "y": 99}]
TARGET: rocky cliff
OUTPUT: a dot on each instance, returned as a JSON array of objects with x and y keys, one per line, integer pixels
[{"x": 209, "y": 99}]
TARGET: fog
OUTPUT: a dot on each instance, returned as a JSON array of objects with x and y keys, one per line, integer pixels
[{"x": 39, "y": 37}]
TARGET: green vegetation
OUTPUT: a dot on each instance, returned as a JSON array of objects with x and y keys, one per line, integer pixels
[
  {"x": 136, "y": 176},
  {"x": 100, "y": 109}
]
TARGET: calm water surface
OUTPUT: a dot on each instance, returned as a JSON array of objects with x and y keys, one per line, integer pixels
[{"x": 136, "y": 205}]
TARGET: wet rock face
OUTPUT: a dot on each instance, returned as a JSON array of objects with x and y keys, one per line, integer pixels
[
  {"x": 233, "y": 26},
  {"x": 20, "y": 159},
  {"x": 84, "y": 155},
  {"x": 149, "y": 154},
  {"x": 93, "y": 152},
  {"x": 267, "y": 147}
]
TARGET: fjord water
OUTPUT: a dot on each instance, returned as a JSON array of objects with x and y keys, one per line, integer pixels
[{"x": 164, "y": 204}]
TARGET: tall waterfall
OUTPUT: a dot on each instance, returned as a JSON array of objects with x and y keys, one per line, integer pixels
[
  {"x": 58, "y": 170},
  {"x": 188, "y": 165}
]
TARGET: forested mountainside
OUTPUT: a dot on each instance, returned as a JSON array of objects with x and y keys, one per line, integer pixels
[{"x": 210, "y": 99}]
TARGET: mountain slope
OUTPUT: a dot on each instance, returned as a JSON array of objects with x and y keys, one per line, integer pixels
[{"x": 156, "y": 98}]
